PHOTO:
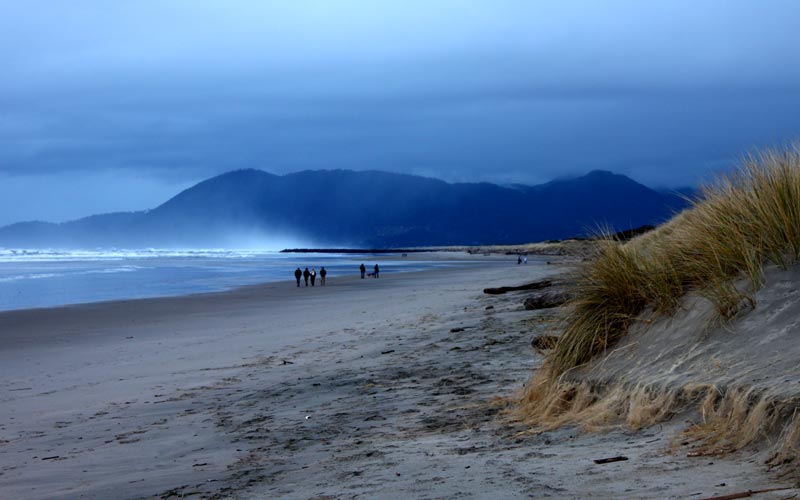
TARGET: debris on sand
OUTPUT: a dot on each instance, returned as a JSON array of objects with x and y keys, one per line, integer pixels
[{"x": 536, "y": 285}]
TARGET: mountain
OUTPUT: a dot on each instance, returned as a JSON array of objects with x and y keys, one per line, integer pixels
[{"x": 367, "y": 209}]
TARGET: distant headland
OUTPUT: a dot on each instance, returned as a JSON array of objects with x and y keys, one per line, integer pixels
[{"x": 338, "y": 209}]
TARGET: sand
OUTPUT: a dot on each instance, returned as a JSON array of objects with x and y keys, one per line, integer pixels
[
  {"x": 757, "y": 349},
  {"x": 370, "y": 388}
]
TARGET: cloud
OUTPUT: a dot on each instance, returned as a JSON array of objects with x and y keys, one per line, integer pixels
[{"x": 505, "y": 91}]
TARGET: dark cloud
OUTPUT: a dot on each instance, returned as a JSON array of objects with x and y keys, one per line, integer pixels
[{"x": 149, "y": 96}]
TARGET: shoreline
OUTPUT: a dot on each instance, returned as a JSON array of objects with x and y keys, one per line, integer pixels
[
  {"x": 411, "y": 264},
  {"x": 104, "y": 314},
  {"x": 373, "y": 391},
  {"x": 247, "y": 290}
]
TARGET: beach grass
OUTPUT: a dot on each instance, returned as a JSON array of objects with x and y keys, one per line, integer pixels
[
  {"x": 739, "y": 223},
  {"x": 718, "y": 249}
]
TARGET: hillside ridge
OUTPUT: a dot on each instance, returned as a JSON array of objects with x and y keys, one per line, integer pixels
[{"x": 363, "y": 208}]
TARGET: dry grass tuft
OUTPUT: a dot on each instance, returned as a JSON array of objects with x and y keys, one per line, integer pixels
[
  {"x": 730, "y": 420},
  {"x": 734, "y": 420},
  {"x": 789, "y": 450},
  {"x": 743, "y": 221},
  {"x": 597, "y": 407}
]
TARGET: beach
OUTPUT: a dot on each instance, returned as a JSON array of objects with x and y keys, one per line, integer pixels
[
  {"x": 376, "y": 388},
  {"x": 53, "y": 278}
]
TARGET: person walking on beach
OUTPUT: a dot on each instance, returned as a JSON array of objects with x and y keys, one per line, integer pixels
[
  {"x": 519, "y": 260},
  {"x": 377, "y": 270},
  {"x": 363, "y": 270},
  {"x": 322, "y": 274},
  {"x": 306, "y": 274},
  {"x": 297, "y": 275},
  {"x": 313, "y": 275},
  {"x": 525, "y": 260}
]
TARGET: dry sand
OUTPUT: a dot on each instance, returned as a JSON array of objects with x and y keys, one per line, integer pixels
[
  {"x": 758, "y": 349},
  {"x": 362, "y": 389}
]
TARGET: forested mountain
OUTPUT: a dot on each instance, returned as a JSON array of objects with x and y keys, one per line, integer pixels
[{"x": 368, "y": 208}]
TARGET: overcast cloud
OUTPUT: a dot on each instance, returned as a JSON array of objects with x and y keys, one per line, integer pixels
[{"x": 110, "y": 106}]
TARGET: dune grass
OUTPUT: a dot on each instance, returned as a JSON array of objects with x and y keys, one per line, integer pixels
[
  {"x": 740, "y": 223},
  {"x": 717, "y": 248}
]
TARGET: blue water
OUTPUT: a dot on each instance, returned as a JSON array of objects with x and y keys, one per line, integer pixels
[{"x": 47, "y": 278}]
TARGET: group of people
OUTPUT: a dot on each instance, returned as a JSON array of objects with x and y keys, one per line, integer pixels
[
  {"x": 375, "y": 273},
  {"x": 522, "y": 259},
  {"x": 312, "y": 274}
]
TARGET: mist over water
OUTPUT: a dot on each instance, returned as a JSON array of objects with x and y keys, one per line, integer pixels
[{"x": 256, "y": 240}]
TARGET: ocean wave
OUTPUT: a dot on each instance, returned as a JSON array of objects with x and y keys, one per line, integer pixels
[
  {"x": 29, "y": 277},
  {"x": 58, "y": 255},
  {"x": 36, "y": 276}
]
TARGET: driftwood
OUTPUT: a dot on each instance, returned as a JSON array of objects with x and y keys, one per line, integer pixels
[
  {"x": 610, "y": 460},
  {"x": 536, "y": 285},
  {"x": 747, "y": 494},
  {"x": 546, "y": 300}
]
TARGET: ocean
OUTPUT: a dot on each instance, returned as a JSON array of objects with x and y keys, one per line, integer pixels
[{"x": 48, "y": 278}]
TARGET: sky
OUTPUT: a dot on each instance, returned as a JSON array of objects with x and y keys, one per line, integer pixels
[{"x": 110, "y": 106}]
